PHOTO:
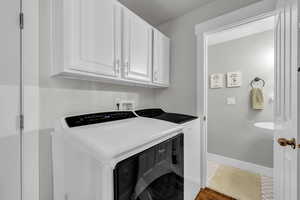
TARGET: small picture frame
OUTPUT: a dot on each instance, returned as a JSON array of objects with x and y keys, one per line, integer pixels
[
  {"x": 216, "y": 81},
  {"x": 234, "y": 79}
]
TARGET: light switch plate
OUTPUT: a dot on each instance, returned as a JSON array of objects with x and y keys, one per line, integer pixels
[{"x": 231, "y": 100}]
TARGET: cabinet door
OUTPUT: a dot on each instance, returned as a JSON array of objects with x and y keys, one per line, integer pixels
[
  {"x": 94, "y": 37},
  {"x": 137, "y": 48},
  {"x": 161, "y": 59}
]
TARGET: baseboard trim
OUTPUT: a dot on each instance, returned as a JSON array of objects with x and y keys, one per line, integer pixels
[{"x": 258, "y": 169}]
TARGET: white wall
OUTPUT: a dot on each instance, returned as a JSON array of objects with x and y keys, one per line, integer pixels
[
  {"x": 181, "y": 96},
  {"x": 31, "y": 99},
  {"x": 60, "y": 97},
  {"x": 10, "y": 58}
]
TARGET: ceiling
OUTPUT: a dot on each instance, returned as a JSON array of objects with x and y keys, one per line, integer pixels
[{"x": 159, "y": 11}]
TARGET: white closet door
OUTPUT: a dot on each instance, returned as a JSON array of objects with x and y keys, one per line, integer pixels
[
  {"x": 161, "y": 63},
  {"x": 10, "y": 148},
  {"x": 95, "y": 30},
  {"x": 137, "y": 48}
]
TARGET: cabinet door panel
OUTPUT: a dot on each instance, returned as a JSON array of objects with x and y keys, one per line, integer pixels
[
  {"x": 161, "y": 61},
  {"x": 137, "y": 48},
  {"x": 97, "y": 44},
  {"x": 156, "y": 56},
  {"x": 165, "y": 57}
]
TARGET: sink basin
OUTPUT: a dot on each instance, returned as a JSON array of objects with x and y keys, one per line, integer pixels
[{"x": 265, "y": 125}]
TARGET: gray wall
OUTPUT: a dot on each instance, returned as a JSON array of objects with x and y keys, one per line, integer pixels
[
  {"x": 181, "y": 95},
  {"x": 60, "y": 97},
  {"x": 231, "y": 132}
]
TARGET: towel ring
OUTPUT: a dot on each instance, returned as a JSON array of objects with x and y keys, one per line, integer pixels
[{"x": 256, "y": 80}]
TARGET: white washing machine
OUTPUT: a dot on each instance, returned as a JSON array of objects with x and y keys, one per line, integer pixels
[
  {"x": 117, "y": 156},
  {"x": 192, "y": 146}
]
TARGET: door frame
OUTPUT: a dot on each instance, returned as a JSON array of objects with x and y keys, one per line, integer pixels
[{"x": 254, "y": 12}]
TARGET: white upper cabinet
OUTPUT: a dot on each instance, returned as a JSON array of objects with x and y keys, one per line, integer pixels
[
  {"x": 161, "y": 59},
  {"x": 99, "y": 37},
  {"x": 137, "y": 47},
  {"x": 101, "y": 40},
  {"x": 87, "y": 37}
]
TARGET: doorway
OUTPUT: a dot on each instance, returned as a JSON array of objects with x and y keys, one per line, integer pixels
[
  {"x": 237, "y": 133},
  {"x": 286, "y": 109},
  {"x": 240, "y": 102}
]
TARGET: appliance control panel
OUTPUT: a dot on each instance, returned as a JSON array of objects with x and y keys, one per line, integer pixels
[{"x": 97, "y": 118}]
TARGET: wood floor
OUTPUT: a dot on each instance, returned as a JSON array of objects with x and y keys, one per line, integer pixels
[{"x": 208, "y": 194}]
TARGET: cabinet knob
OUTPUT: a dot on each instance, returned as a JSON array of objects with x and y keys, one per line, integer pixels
[
  {"x": 126, "y": 69},
  {"x": 117, "y": 66}
]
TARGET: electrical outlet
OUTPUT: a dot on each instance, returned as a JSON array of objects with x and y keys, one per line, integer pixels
[{"x": 127, "y": 105}]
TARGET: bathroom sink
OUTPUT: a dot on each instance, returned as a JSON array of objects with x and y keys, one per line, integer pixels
[{"x": 265, "y": 125}]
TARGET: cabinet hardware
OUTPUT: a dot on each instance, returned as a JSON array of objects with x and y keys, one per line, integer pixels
[
  {"x": 117, "y": 66},
  {"x": 127, "y": 67}
]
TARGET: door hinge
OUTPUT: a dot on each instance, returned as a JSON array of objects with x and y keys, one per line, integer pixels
[
  {"x": 204, "y": 118},
  {"x": 298, "y": 69},
  {"x": 21, "y": 122},
  {"x": 21, "y": 20}
]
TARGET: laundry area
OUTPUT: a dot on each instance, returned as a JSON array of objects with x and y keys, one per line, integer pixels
[{"x": 149, "y": 100}]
